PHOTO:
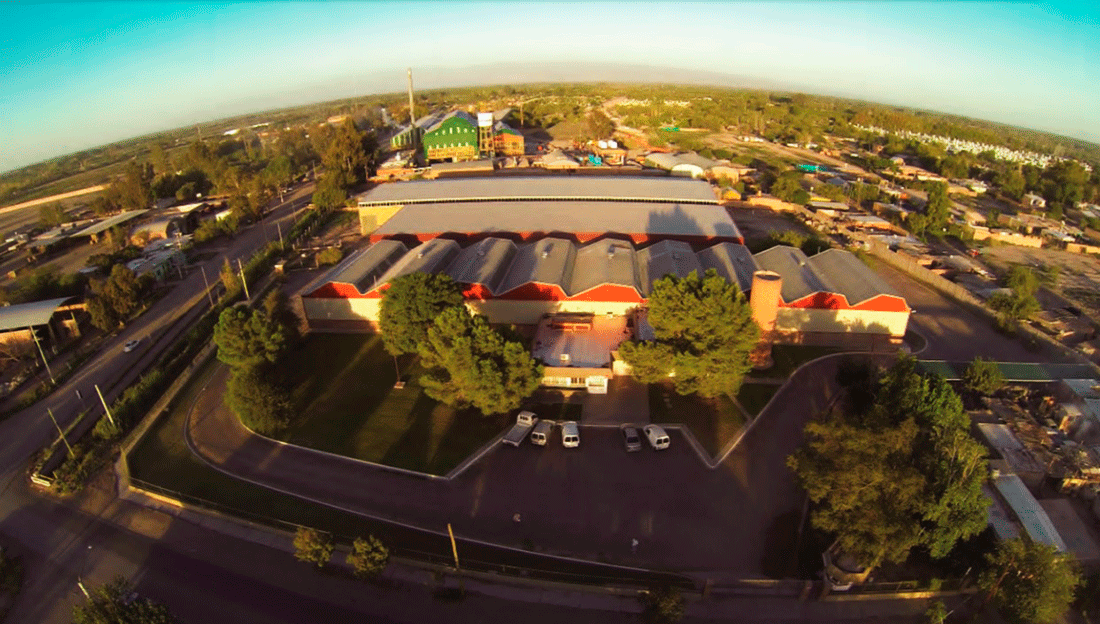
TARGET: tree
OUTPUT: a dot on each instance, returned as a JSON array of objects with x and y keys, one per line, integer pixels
[
  {"x": 600, "y": 125},
  {"x": 330, "y": 193},
  {"x": 983, "y": 376},
  {"x": 231, "y": 279},
  {"x": 51, "y": 216},
  {"x": 261, "y": 404},
  {"x": 470, "y": 363},
  {"x": 276, "y": 306},
  {"x": 788, "y": 187},
  {"x": 895, "y": 472},
  {"x": 248, "y": 338},
  {"x": 662, "y": 605},
  {"x": 1029, "y": 582},
  {"x": 1012, "y": 183},
  {"x": 313, "y": 546},
  {"x": 133, "y": 191},
  {"x": 368, "y": 557},
  {"x": 409, "y": 306},
  {"x": 650, "y": 361},
  {"x": 706, "y": 325},
  {"x": 116, "y": 298},
  {"x": 113, "y": 604},
  {"x": 329, "y": 256},
  {"x": 938, "y": 209}
]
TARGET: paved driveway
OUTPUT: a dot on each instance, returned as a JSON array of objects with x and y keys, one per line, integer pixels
[{"x": 590, "y": 502}]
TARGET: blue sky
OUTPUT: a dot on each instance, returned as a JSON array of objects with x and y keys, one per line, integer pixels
[{"x": 74, "y": 75}]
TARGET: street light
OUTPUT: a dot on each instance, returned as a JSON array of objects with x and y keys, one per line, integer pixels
[{"x": 80, "y": 579}]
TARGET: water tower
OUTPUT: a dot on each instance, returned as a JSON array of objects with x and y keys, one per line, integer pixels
[{"x": 485, "y": 146}]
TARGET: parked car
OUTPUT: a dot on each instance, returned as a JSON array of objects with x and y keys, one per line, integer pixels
[
  {"x": 657, "y": 437},
  {"x": 130, "y": 346},
  {"x": 631, "y": 439},
  {"x": 541, "y": 434},
  {"x": 570, "y": 435},
  {"x": 525, "y": 421}
]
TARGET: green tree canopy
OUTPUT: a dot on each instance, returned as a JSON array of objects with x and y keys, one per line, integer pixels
[
  {"x": 938, "y": 209},
  {"x": 409, "y": 306},
  {"x": 705, "y": 330},
  {"x": 788, "y": 187},
  {"x": 248, "y": 338},
  {"x": 116, "y": 298},
  {"x": 261, "y": 404},
  {"x": 983, "y": 376},
  {"x": 470, "y": 363},
  {"x": 52, "y": 215},
  {"x": 1029, "y": 583},
  {"x": 897, "y": 471},
  {"x": 109, "y": 604}
]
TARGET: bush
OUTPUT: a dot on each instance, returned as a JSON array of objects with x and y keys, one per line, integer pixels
[
  {"x": 313, "y": 546},
  {"x": 261, "y": 405},
  {"x": 663, "y": 605},
  {"x": 368, "y": 557}
]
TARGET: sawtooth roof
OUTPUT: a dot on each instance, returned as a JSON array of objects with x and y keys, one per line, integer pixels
[
  {"x": 362, "y": 268},
  {"x": 665, "y": 258},
  {"x": 539, "y": 188},
  {"x": 732, "y": 261},
  {"x": 485, "y": 262},
  {"x": 547, "y": 261},
  {"x": 831, "y": 271}
]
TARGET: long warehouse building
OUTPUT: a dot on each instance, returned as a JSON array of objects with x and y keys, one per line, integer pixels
[
  {"x": 580, "y": 208},
  {"x": 831, "y": 298}
]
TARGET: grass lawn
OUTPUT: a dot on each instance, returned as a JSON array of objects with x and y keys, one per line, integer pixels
[
  {"x": 753, "y": 397},
  {"x": 789, "y": 357},
  {"x": 713, "y": 421},
  {"x": 343, "y": 393}
]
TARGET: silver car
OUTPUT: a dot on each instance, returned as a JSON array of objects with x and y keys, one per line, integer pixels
[{"x": 631, "y": 438}]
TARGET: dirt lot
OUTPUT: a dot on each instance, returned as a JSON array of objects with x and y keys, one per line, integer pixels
[
  {"x": 757, "y": 224},
  {"x": 1079, "y": 280}
]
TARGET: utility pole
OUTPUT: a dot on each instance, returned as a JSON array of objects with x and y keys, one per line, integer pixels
[
  {"x": 244, "y": 282},
  {"x": 60, "y": 432},
  {"x": 412, "y": 114},
  {"x": 105, "y": 408},
  {"x": 207, "y": 282},
  {"x": 454, "y": 547},
  {"x": 34, "y": 334},
  {"x": 279, "y": 226}
]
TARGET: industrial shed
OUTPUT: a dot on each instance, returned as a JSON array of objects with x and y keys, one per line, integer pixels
[{"x": 831, "y": 298}]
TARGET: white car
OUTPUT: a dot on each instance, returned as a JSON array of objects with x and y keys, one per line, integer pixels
[
  {"x": 130, "y": 346},
  {"x": 570, "y": 435},
  {"x": 657, "y": 437}
]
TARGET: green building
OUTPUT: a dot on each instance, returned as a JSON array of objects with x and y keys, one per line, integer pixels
[{"x": 452, "y": 138}]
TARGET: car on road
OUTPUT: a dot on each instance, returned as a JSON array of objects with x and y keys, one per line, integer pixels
[
  {"x": 130, "y": 346},
  {"x": 541, "y": 434},
  {"x": 657, "y": 437},
  {"x": 570, "y": 435},
  {"x": 631, "y": 439}
]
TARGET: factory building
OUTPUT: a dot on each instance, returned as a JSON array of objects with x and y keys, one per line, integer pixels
[
  {"x": 831, "y": 298},
  {"x": 459, "y": 136}
]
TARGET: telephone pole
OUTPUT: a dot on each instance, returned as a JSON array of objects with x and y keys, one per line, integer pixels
[{"x": 244, "y": 282}]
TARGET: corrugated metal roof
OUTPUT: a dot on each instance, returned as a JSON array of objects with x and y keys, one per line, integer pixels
[
  {"x": 607, "y": 261},
  {"x": 999, "y": 436},
  {"x": 24, "y": 315},
  {"x": 1028, "y": 511},
  {"x": 732, "y": 261},
  {"x": 665, "y": 258},
  {"x": 506, "y": 188},
  {"x": 562, "y": 216},
  {"x": 110, "y": 222},
  {"x": 485, "y": 262},
  {"x": 844, "y": 273},
  {"x": 548, "y": 261},
  {"x": 363, "y": 267},
  {"x": 799, "y": 279},
  {"x": 433, "y": 256}
]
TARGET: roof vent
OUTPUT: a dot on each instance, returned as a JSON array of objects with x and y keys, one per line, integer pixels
[
  {"x": 420, "y": 254},
  {"x": 545, "y": 254},
  {"x": 481, "y": 252},
  {"x": 564, "y": 359}
]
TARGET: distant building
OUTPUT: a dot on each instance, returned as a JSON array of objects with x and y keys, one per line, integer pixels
[
  {"x": 1032, "y": 200},
  {"x": 457, "y": 136}
]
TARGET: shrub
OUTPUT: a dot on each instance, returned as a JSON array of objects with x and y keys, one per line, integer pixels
[
  {"x": 313, "y": 546},
  {"x": 368, "y": 557}
]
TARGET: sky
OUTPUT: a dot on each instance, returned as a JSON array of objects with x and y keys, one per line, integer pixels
[{"x": 76, "y": 75}]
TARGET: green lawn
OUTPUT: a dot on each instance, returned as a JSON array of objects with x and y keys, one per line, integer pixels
[
  {"x": 753, "y": 397},
  {"x": 344, "y": 395},
  {"x": 789, "y": 357},
  {"x": 714, "y": 422}
]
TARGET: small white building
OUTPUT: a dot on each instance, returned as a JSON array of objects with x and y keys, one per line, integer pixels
[{"x": 1032, "y": 200}]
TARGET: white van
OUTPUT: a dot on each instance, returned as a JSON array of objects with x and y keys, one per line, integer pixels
[
  {"x": 570, "y": 435},
  {"x": 541, "y": 434},
  {"x": 657, "y": 437}
]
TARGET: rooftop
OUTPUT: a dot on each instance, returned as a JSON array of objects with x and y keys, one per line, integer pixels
[
  {"x": 631, "y": 218},
  {"x": 510, "y": 188},
  {"x": 24, "y": 315},
  {"x": 585, "y": 340}
]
